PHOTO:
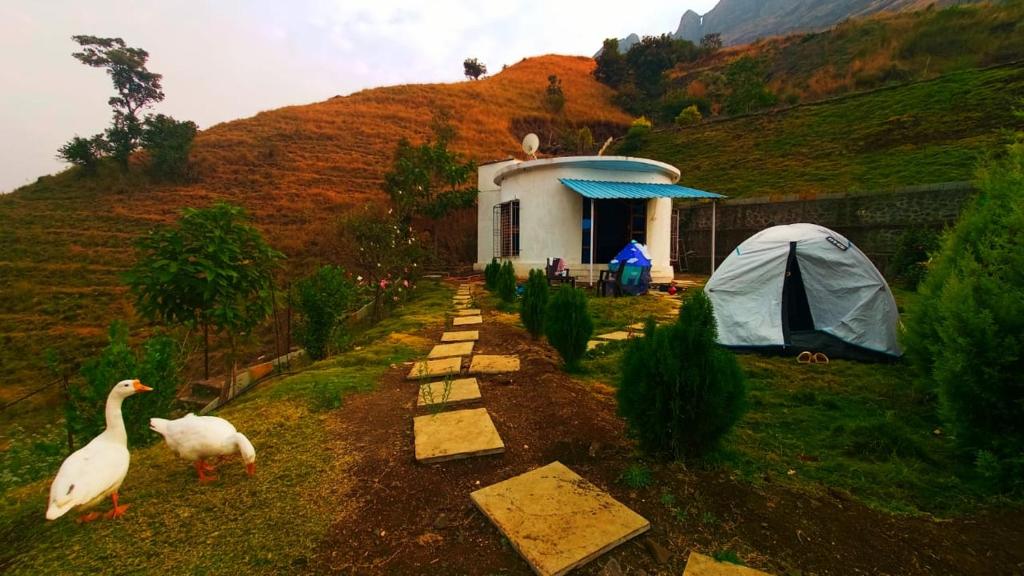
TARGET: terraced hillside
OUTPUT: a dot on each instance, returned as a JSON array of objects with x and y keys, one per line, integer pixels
[
  {"x": 931, "y": 131},
  {"x": 65, "y": 240}
]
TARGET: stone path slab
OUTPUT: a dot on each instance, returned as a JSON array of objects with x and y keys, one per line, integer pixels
[
  {"x": 460, "y": 336},
  {"x": 619, "y": 335},
  {"x": 637, "y": 326},
  {"x": 701, "y": 565},
  {"x": 434, "y": 368},
  {"x": 458, "y": 434},
  {"x": 557, "y": 520},
  {"x": 453, "y": 349},
  {"x": 460, "y": 390},
  {"x": 468, "y": 312},
  {"x": 493, "y": 364},
  {"x": 591, "y": 344},
  {"x": 467, "y": 320}
]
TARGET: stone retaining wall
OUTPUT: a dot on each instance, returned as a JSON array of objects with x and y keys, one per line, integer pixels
[{"x": 873, "y": 221}]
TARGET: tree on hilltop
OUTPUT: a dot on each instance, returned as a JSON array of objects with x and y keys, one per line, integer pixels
[{"x": 473, "y": 68}]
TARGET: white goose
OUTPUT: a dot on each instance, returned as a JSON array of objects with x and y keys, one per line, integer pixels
[
  {"x": 97, "y": 469},
  {"x": 196, "y": 438}
]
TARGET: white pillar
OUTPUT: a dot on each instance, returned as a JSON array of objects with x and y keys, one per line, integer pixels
[{"x": 591, "y": 241}]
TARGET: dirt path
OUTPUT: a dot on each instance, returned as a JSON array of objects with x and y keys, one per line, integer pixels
[{"x": 414, "y": 519}]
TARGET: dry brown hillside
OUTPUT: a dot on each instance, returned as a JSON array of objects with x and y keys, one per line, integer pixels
[{"x": 66, "y": 239}]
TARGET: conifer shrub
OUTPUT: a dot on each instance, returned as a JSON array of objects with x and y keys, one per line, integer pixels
[
  {"x": 965, "y": 331},
  {"x": 506, "y": 282},
  {"x": 568, "y": 325},
  {"x": 491, "y": 274},
  {"x": 534, "y": 303},
  {"x": 680, "y": 392}
]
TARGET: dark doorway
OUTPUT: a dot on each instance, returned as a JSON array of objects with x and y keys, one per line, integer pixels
[
  {"x": 616, "y": 222},
  {"x": 796, "y": 311}
]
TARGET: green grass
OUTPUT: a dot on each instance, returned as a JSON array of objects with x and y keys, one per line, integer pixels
[
  {"x": 268, "y": 524},
  {"x": 861, "y": 429},
  {"x": 934, "y": 131}
]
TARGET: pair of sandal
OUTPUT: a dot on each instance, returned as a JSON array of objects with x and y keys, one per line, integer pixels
[{"x": 807, "y": 357}]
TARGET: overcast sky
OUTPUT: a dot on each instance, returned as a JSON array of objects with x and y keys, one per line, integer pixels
[{"x": 227, "y": 59}]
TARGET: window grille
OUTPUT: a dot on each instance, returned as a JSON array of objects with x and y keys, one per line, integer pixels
[{"x": 505, "y": 222}]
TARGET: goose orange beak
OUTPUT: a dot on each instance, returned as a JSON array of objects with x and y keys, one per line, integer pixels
[
  {"x": 140, "y": 387},
  {"x": 250, "y": 468}
]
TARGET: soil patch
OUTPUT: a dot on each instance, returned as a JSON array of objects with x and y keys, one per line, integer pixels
[{"x": 412, "y": 518}]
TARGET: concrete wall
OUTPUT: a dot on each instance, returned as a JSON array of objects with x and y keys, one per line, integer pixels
[
  {"x": 489, "y": 196},
  {"x": 550, "y": 218},
  {"x": 873, "y": 221}
]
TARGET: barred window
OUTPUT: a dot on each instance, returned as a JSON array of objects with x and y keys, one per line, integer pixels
[{"x": 506, "y": 229}]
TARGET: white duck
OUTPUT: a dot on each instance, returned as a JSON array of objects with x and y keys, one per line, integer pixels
[
  {"x": 97, "y": 469},
  {"x": 196, "y": 438}
]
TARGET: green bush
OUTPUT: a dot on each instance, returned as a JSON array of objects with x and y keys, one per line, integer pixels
[
  {"x": 506, "y": 282},
  {"x": 534, "y": 302},
  {"x": 965, "y": 331},
  {"x": 168, "y": 142},
  {"x": 689, "y": 116},
  {"x": 679, "y": 391},
  {"x": 909, "y": 263},
  {"x": 321, "y": 300},
  {"x": 491, "y": 274},
  {"x": 157, "y": 365},
  {"x": 568, "y": 325}
]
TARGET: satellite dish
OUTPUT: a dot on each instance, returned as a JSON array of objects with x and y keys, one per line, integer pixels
[{"x": 530, "y": 144}]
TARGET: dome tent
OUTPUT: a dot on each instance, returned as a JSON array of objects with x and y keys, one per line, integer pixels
[
  {"x": 804, "y": 287},
  {"x": 636, "y": 274}
]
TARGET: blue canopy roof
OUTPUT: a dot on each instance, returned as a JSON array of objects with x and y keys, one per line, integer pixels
[{"x": 602, "y": 190}]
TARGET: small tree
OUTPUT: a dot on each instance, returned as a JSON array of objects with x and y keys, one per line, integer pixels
[
  {"x": 747, "y": 91},
  {"x": 554, "y": 98},
  {"x": 168, "y": 142},
  {"x": 611, "y": 67},
  {"x": 568, "y": 325},
  {"x": 965, "y": 330},
  {"x": 473, "y": 68},
  {"x": 711, "y": 42},
  {"x": 491, "y": 275},
  {"x": 636, "y": 136},
  {"x": 83, "y": 152},
  {"x": 534, "y": 303},
  {"x": 506, "y": 282},
  {"x": 137, "y": 88},
  {"x": 321, "y": 300},
  {"x": 386, "y": 258},
  {"x": 211, "y": 270},
  {"x": 157, "y": 365},
  {"x": 689, "y": 116},
  {"x": 679, "y": 391},
  {"x": 429, "y": 180}
]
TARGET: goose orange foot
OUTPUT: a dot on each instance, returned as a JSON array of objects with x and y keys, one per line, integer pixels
[
  {"x": 116, "y": 511},
  {"x": 202, "y": 468}
]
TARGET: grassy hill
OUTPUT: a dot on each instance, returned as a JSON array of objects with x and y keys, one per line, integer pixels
[
  {"x": 66, "y": 239},
  {"x": 930, "y": 131},
  {"x": 865, "y": 53}
]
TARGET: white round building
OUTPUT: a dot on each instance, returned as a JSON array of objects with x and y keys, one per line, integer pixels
[{"x": 583, "y": 209}]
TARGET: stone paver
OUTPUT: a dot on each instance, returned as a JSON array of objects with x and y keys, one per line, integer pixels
[
  {"x": 460, "y": 390},
  {"x": 591, "y": 344},
  {"x": 433, "y": 368},
  {"x": 701, "y": 565},
  {"x": 619, "y": 335},
  {"x": 493, "y": 364},
  {"x": 457, "y": 434},
  {"x": 557, "y": 520},
  {"x": 460, "y": 336},
  {"x": 468, "y": 312},
  {"x": 467, "y": 320},
  {"x": 453, "y": 349},
  {"x": 637, "y": 326}
]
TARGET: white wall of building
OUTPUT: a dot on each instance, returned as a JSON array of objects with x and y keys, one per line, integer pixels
[
  {"x": 489, "y": 196},
  {"x": 551, "y": 214}
]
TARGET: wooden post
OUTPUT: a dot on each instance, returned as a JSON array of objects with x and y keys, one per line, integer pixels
[{"x": 713, "y": 236}]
